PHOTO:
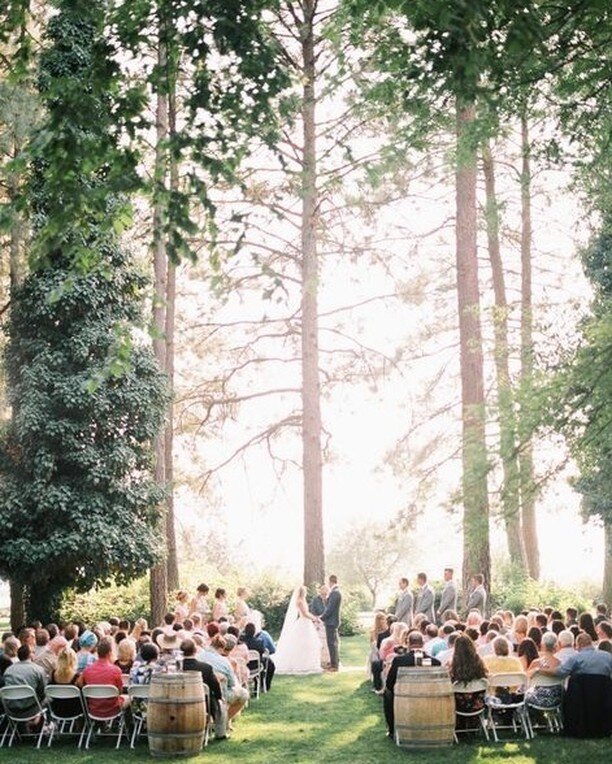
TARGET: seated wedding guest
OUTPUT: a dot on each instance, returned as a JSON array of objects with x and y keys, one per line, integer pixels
[
  {"x": 527, "y": 652},
  {"x": 605, "y": 645},
  {"x": 104, "y": 672},
  {"x": 603, "y": 630},
  {"x": 239, "y": 651},
  {"x": 535, "y": 634},
  {"x": 391, "y": 619},
  {"x": 25, "y": 671},
  {"x": 501, "y": 661},
  {"x": 255, "y": 643},
  {"x": 587, "y": 660},
  {"x": 114, "y": 624},
  {"x": 191, "y": 663},
  {"x": 126, "y": 655},
  {"x": 87, "y": 646},
  {"x": 119, "y": 636},
  {"x": 42, "y": 640},
  {"x": 52, "y": 630},
  {"x": 586, "y": 624},
  {"x": 234, "y": 695},
  {"x": 196, "y": 620},
  {"x": 439, "y": 642},
  {"x": 104, "y": 628},
  {"x": 71, "y": 635},
  {"x": 212, "y": 629},
  {"x": 265, "y": 637},
  {"x": 66, "y": 673},
  {"x": 565, "y": 645},
  {"x": 181, "y": 607},
  {"x": 375, "y": 663},
  {"x": 601, "y": 613},
  {"x": 473, "y": 620},
  {"x": 557, "y": 626},
  {"x": 541, "y": 621},
  {"x": 542, "y": 696},
  {"x": 519, "y": 631},
  {"x": 237, "y": 659},
  {"x": 139, "y": 627},
  {"x": 446, "y": 656},
  {"x": 220, "y": 608},
  {"x": 200, "y": 604},
  {"x": 389, "y": 645},
  {"x": 409, "y": 658},
  {"x": 487, "y": 647},
  {"x": 571, "y": 617},
  {"x": 47, "y": 660},
  {"x": 483, "y": 629},
  {"x": 467, "y": 666},
  {"x": 473, "y": 634},
  {"x": 146, "y": 664},
  {"x": 556, "y": 615},
  {"x": 9, "y": 655}
]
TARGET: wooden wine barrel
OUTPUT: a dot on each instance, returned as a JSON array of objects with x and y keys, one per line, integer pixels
[
  {"x": 176, "y": 714},
  {"x": 424, "y": 708}
]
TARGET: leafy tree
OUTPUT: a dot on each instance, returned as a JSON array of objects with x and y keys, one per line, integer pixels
[{"x": 78, "y": 501}]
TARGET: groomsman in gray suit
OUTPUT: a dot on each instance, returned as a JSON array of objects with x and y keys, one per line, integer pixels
[
  {"x": 448, "y": 598},
  {"x": 425, "y": 598},
  {"x": 477, "y": 598},
  {"x": 405, "y": 600}
]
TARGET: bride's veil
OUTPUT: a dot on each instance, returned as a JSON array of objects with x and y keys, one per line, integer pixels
[{"x": 291, "y": 614}]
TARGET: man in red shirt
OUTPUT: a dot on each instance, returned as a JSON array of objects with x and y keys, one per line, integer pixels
[{"x": 103, "y": 671}]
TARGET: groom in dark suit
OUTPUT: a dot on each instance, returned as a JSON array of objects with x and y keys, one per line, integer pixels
[{"x": 331, "y": 618}]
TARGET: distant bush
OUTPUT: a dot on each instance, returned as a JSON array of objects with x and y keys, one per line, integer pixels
[
  {"x": 271, "y": 597},
  {"x": 512, "y": 591},
  {"x": 130, "y": 602}
]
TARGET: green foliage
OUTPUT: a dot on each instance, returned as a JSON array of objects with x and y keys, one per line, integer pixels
[
  {"x": 271, "y": 597},
  {"x": 130, "y": 601},
  {"x": 512, "y": 590},
  {"x": 78, "y": 500}
]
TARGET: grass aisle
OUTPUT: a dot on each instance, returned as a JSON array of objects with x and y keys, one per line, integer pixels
[{"x": 329, "y": 718}]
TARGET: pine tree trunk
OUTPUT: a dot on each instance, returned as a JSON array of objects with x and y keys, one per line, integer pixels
[
  {"x": 476, "y": 551},
  {"x": 510, "y": 497},
  {"x": 314, "y": 564},
  {"x": 607, "y": 576},
  {"x": 528, "y": 492},
  {"x": 159, "y": 578},
  {"x": 172, "y": 561}
]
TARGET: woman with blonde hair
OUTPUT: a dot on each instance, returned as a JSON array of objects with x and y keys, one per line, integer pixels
[
  {"x": 126, "y": 655},
  {"x": 66, "y": 673}
]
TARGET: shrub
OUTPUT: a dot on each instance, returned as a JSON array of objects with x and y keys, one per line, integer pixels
[{"x": 131, "y": 601}]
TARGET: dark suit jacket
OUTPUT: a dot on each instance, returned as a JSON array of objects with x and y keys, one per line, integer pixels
[
  {"x": 331, "y": 615},
  {"x": 317, "y": 606},
  {"x": 208, "y": 675},
  {"x": 404, "y": 660},
  {"x": 383, "y": 635}
]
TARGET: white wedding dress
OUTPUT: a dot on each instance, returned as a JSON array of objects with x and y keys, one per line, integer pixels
[{"x": 298, "y": 650}]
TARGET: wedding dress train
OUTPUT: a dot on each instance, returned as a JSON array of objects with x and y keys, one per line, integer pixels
[{"x": 298, "y": 650}]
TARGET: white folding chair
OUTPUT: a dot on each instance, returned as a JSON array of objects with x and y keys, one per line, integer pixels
[
  {"x": 264, "y": 670},
  {"x": 139, "y": 694},
  {"x": 209, "y": 719},
  {"x": 255, "y": 672},
  {"x": 21, "y": 705},
  {"x": 103, "y": 725},
  {"x": 516, "y": 709},
  {"x": 465, "y": 688},
  {"x": 552, "y": 715},
  {"x": 64, "y": 723}
]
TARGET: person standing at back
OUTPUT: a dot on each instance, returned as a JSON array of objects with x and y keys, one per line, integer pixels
[
  {"x": 425, "y": 598},
  {"x": 404, "y": 604},
  {"x": 331, "y": 618},
  {"x": 477, "y": 598},
  {"x": 448, "y": 598}
]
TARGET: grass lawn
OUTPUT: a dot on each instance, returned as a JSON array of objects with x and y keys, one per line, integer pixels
[{"x": 327, "y": 718}]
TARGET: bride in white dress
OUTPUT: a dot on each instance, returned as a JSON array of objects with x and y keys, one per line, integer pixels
[{"x": 298, "y": 650}]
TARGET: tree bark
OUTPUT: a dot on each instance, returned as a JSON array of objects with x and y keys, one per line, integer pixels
[
  {"x": 314, "y": 563},
  {"x": 476, "y": 548},
  {"x": 527, "y": 490},
  {"x": 172, "y": 561},
  {"x": 18, "y": 615},
  {"x": 510, "y": 496},
  {"x": 159, "y": 576}
]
